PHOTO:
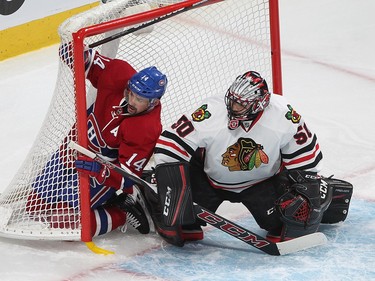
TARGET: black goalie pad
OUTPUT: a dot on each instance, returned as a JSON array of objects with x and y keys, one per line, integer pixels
[
  {"x": 173, "y": 184},
  {"x": 341, "y": 195}
]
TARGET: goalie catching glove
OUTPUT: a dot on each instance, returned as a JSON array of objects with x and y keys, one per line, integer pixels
[{"x": 301, "y": 206}]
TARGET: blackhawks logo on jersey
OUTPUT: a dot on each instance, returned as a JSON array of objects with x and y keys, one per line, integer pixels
[
  {"x": 244, "y": 155},
  {"x": 292, "y": 115},
  {"x": 201, "y": 114}
]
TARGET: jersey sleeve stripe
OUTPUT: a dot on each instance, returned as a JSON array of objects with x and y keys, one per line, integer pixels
[
  {"x": 171, "y": 146},
  {"x": 307, "y": 166},
  {"x": 305, "y": 158},
  {"x": 173, "y": 138},
  {"x": 305, "y": 149},
  {"x": 166, "y": 152},
  {"x": 174, "y": 147}
]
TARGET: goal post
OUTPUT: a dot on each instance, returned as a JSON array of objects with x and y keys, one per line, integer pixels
[
  {"x": 201, "y": 50},
  {"x": 143, "y": 18},
  {"x": 275, "y": 47}
]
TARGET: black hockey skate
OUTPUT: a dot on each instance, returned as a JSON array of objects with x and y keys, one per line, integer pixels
[{"x": 135, "y": 214}]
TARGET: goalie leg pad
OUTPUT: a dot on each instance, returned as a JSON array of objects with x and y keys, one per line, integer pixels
[
  {"x": 171, "y": 234},
  {"x": 342, "y": 191},
  {"x": 173, "y": 184},
  {"x": 192, "y": 232}
]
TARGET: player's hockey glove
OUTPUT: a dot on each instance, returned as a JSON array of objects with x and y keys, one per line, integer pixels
[
  {"x": 67, "y": 55},
  {"x": 92, "y": 168}
]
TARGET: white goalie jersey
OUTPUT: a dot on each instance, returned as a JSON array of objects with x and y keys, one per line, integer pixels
[{"x": 255, "y": 151}]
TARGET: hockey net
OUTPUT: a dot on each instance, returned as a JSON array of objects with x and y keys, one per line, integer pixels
[{"x": 201, "y": 51}]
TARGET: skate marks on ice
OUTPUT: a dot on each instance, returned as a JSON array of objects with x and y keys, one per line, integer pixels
[{"x": 348, "y": 255}]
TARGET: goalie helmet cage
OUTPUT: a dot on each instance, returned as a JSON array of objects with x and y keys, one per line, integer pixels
[{"x": 201, "y": 50}]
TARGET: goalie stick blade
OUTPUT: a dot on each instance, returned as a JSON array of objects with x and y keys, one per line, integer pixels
[
  {"x": 301, "y": 243},
  {"x": 257, "y": 241}
]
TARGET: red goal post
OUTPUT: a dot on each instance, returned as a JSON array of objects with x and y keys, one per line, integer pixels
[{"x": 201, "y": 50}]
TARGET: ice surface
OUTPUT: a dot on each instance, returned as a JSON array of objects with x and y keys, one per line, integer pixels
[{"x": 328, "y": 76}]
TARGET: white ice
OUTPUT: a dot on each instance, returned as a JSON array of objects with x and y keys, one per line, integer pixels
[{"x": 328, "y": 75}]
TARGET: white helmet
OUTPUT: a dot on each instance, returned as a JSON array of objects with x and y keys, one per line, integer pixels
[{"x": 250, "y": 91}]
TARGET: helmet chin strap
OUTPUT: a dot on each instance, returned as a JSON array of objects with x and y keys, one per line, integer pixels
[{"x": 152, "y": 104}]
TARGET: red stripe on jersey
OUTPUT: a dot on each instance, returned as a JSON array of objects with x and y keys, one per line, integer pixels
[
  {"x": 303, "y": 159},
  {"x": 182, "y": 194},
  {"x": 173, "y": 147},
  {"x": 100, "y": 194}
]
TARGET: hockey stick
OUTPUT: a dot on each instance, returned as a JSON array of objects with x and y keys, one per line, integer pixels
[
  {"x": 257, "y": 241},
  {"x": 223, "y": 224},
  {"x": 193, "y": 5}
]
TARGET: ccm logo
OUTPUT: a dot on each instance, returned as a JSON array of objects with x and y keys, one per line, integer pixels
[
  {"x": 323, "y": 189},
  {"x": 167, "y": 201},
  {"x": 232, "y": 229}
]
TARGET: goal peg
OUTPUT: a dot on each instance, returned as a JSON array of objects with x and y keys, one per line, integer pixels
[{"x": 97, "y": 250}]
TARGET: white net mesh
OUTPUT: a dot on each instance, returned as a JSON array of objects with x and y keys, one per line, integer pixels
[{"x": 201, "y": 51}]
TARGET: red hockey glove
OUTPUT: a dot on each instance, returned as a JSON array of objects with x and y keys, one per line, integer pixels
[{"x": 92, "y": 168}]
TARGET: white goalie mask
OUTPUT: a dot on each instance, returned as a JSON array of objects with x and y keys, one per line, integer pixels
[{"x": 246, "y": 97}]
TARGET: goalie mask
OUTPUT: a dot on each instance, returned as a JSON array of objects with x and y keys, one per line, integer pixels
[{"x": 245, "y": 98}]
